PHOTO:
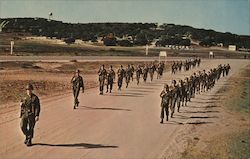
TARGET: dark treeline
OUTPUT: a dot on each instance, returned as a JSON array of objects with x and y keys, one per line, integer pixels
[{"x": 125, "y": 34}]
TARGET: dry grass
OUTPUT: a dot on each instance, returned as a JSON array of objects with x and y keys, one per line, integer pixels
[
  {"x": 49, "y": 78},
  {"x": 230, "y": 138}
]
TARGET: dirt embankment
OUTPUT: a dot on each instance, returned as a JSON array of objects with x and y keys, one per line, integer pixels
[
  {"x": 49, "y": 78},
  {"x": 230, "y": 136}
]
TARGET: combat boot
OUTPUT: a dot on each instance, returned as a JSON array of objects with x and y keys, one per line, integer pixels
[
  {"x": 26, "y": 140},
  {"x": 29, "y": 143},
  {"x": 161, "y": 120}
]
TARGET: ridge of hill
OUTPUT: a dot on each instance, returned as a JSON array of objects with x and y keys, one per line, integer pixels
[{"x": 136, "y": 33}]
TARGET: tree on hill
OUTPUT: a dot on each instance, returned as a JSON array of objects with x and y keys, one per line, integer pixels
[
  {"x": 69, "y": 40},
  {"x": 142, "y": 33},
  {"x": 110, "y": 40},
  {"x": 140, "y": 39},
  {"x": 126, "y": 43}
]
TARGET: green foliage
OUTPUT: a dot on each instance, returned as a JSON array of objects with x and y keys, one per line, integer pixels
[
  {"x": 141, "y": 39},
  {"x": 143, "y": 33},
  {"x": 109, "y": 41},
  {"x": 69, "y": 40},
  {"x": 173, "y": 41},
  {"x": 124, "y": 43}
]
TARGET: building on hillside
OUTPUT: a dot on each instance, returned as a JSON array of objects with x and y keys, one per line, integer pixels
[{"x": 232, "y": 47}]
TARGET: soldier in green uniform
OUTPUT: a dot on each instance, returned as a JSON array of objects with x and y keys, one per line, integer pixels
[
  {"x": 77, "y": 84},
  {"x": 110, "y": 79},
  {"x": 183, "y": 93},
  {"x": 145, "y": 72},
  {"x": 152, "y": 69},
  {"x": 138, "y": 73},
  {"x": 227, "y": 69},
  {"x": 165, "y": 96},
  {"x": 160, "y": 69},
  {"x": 102, "y": 76},
  {"x": 30, "y": 110},
  {"x": 128, "y": 75},
  {"x": 132, "y": 73},
  {"x": 204, "y": 81},
  {"x": 120, "y": 74}
]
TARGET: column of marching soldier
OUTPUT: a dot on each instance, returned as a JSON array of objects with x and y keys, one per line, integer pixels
[
  {"x": 107, "y": 77},
  {"x": 30, "y": 105},
  {"x": 178, "y": 94}
]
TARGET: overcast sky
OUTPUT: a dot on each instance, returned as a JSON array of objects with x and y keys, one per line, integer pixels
[{"x": 220, "y": 15}]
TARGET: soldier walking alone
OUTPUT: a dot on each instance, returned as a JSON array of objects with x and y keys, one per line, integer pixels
[
  {"x": 77, "y": 83},
  {"x": 30, "y": 110},
  {"x": 102, "y": 76}
]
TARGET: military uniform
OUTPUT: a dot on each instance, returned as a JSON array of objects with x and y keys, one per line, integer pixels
[
  {"x": 175, "y": 98},
  {"x": 183, "y": 93},
  {"x": 110, "y": 79},
  {"x": 120, "y": 74},
  {"x": 102, "y": 76},
  {"x": 128, "y": 74},
  {"x": 77, "y": 84},
  {"x": 145, "y": 73},
  {"x": 174, "y": 68},
  {"x": 227, "y": 69},
  {"x": 151, "y": 71},
  {"x": 30, "y": 109},
  {"x": 160, "y": 69},
  {"x": 132, "y": 72},
  {"x": 165, "y": 96},
  {"x": 138, "y": 74}
]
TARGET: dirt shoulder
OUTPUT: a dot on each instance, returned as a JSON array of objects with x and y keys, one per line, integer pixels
[
  {"x": 229, "y": 137},
  {"x": 49, "y": 78}
]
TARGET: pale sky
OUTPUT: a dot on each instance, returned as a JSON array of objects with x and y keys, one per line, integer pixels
[{"x": 220, "y": 15}]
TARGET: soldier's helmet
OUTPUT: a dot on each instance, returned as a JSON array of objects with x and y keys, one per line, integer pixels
[
  {"x": 171, "y": 88},
  {"x": 29, "y": 87},
  {"x": 174, "y": 81},
  {"x": 166, "y": 86}
]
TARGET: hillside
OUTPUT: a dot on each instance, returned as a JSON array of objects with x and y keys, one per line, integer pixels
[{"x": 125, "y": 34}]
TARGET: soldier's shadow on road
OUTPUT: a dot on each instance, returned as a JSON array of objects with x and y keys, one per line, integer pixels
[
  {"x": 143, "y": 88},
  {"x": 103, "y": 108},
  {"x": 126, "y": 95},
  {"x": 78, "y": 145},
  {"x": 207, "y": 102},
  {"x": 207, "y": 111}
]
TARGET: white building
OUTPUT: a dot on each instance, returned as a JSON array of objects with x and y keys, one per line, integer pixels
[{"x": 232, "y": 47}]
